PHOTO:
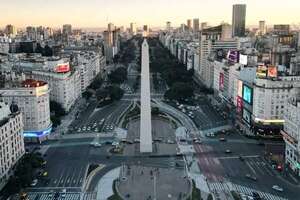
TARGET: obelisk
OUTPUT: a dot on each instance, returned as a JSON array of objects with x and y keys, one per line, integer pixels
[{"x": 145, "y": 123}]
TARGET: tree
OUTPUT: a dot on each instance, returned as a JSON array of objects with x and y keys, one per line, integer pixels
[
  {"x": 39, "y": 49},
  {"x": 48, "y": 52},
  {"x": 57, "y": 109},
  {"x": 180, "y": 91},
  {"x": 118, "y": 76},
  {"x": 87, "y": 94},
  {"x": 115, "y": 93}
]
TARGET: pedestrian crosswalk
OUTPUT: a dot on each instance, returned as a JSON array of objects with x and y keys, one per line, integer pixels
[
  {"x": 68, "y": 196},
  {"x": 228, "y": 186}
]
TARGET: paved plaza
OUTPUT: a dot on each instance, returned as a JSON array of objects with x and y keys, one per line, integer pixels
[{"x": 145, "y": 183}]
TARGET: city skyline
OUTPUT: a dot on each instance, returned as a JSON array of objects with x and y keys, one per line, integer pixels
[{"x": 99, "y": 12}]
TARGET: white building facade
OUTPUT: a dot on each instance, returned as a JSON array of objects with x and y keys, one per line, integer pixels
[
  {"x": 11, "y": 141},
  {"x": 32, "y": 98}
]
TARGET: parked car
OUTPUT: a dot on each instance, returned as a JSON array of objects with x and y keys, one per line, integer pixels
[
  {"x": 277, "y": 188},
  {"x": 34, "y": 182},
  {"x": 228, "y": 151}
]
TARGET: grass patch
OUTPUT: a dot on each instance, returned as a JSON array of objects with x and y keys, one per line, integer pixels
[
  {"x": 115, "y": 196},
  {"x": 196, "y": 193},
  {"x": 236, "y": 196}
]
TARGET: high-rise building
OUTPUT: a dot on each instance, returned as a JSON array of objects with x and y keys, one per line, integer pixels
[
  {"x": 238, "y": 20},
  {"x": 262, "y": 27},
  {"x": 67, "y": 29},
  {"x": 203, "y": 25},
  {"x": 168, "y": 26},
  {"x": 196, "y": 24},
  {"x": 110, "y": 27},
  {"x": 145, "y": 31},
  {"x": 31, "y": 33},
  {"x": 133, "y": 28},
  {"x": 11, "y": 142},
  {"x": 281, "y": 29},
  {"x": 11, "y": 30},
  {"x": 189, "y": 24}
]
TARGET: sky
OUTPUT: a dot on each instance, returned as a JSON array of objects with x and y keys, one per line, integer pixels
[{"x": 155, "y": 13}]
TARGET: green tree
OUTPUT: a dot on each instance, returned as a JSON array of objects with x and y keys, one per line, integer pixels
[
  {"x": 87, "y": 94},
  {"x": 115, "y": 93},
  {"x": 57, "y": 108},
  {"x": 118, "y": 76},
  {"x": 180, "y": 91}
]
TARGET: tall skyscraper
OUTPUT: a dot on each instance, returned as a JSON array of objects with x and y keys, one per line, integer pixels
[
  {"x": 145, "y": 31},
  {"x": 67, "y": 29},
  {"x": 110, "y": 27},
  {"x": 196, "y": 24},
  {"x": 31, "y": 33},
  {"x": 133, "y": 28},
  {"x": 11, "y": 30},
  {"x": 238, "y": 20},
  {"x": 189, "y": 24},
  {"x": 168, "y": 26},
  {"x": 262, "y": 27}
]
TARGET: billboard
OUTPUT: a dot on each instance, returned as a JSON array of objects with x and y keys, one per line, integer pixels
[
  {"x": 41, "y": 90},
  {"x": 233, "y": 56},
  {"x": 247, "y": 116},
  {"x": 240, "y": 88},
  {"x": 243, "y": 59},
  {"x": 261, "y": 71},
  {"x": 272, "y": 71},
  {"x": 239, "y": 104},
  {"x": 247, "y": 94},
  {"x": 221, "y": 82},
  {"x": 61, "y": 68}
]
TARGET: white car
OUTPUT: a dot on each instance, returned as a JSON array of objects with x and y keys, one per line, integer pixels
[
  {"x": 170, "y": 142},
  {"x": 136, "y": 140},
  {"x": 277, "y": 188},
  {"x": 34, "y": 182},
  {"x": 115, "y": 144}
]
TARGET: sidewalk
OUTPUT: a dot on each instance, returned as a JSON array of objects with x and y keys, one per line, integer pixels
[{"x": 104, "y": 187}]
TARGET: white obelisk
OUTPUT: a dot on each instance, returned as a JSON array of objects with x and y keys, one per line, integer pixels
[{"x": 145, "y": 124}]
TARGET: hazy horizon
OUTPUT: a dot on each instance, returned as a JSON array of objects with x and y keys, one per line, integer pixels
[{"x": 97, "y": 13}]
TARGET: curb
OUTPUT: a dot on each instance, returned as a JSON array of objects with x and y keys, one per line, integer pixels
[{"x": 90, "y": 177}]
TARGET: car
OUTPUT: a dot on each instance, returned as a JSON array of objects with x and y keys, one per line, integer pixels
[
  {"x": 115, "y": 144},
  {"x": 136, "y": 140},
  {"x": 64, "y": 193},
  {"x": 129, "y": 142},
  {"x": 198, "y": 141},
  {"x": 157, "y": 140},
  {"x": 228, "y": 151},
  {"x": 50, "y": 195},
  {"x": 45, "y": 174},
  {"x": 97, "y": 144},
  {"x": 79, "y": 130},
  {"x": 277, "y": 188},
  {"x": 251, "y": 177},
  {"x": 34, "y": 182},
  {"x": 123, "y": 140},
  {"x": 170, "y": 141},
  {"x": 241, "y": 158},
  {"x": 222, "y": 139},
  {"x": 96, "y": 129}
]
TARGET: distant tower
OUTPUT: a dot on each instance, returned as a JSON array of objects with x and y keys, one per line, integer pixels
[
  {"x": 262, "y": 27},
  {"x": 189, "y": 24},
  {"x": 238, "y": 20},
  {"x": 196, "y": 25},
  {"x": 145, "y": 31},
  {"x": 133, "y": 28},
  {"x": 168, "y": 26}
]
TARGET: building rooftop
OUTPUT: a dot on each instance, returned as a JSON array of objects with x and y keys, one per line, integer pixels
[{"x": 33, "y": 83}]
